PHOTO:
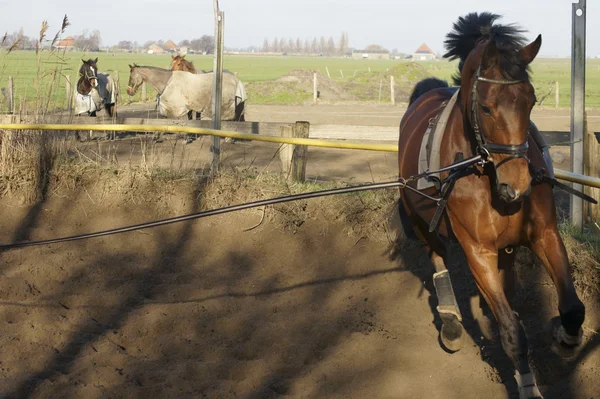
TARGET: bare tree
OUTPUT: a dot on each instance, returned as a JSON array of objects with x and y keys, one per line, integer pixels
[
  {"x": 298, "y": 45},
  {"x": 314, "y": 47},
  {"x": 322, "y": 45},
  {"x": 88, "y": 42},
  {"x": 125, "y": 45},
  {"x": 375, "y": 47},
  {"x": 265, "y": 47},
  {"x": 330, "y": 46},
  {"x": 344, "y": 43},
  {"x": 306, "y": 46},
  {"x": 205, "y": 44}
]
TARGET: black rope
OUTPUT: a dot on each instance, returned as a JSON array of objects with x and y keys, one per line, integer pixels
[
  {"x": 401, "y": 182},
  {"x": 212, "y": 212}
]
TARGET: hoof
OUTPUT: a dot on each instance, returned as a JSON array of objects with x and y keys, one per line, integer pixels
[
  {"x": 451, "y": 333},
  {"x": 562, "y": 344}
]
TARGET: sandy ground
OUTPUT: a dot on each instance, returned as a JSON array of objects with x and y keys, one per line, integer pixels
[{"x": 205, "y": 309}]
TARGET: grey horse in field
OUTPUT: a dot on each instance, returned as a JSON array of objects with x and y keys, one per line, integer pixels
[{"x": 181, "y": 92}]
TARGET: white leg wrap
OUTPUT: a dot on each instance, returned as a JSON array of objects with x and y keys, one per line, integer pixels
[
  {"x": 527, "y": 387},
  {"x": 563, "y": 337}
]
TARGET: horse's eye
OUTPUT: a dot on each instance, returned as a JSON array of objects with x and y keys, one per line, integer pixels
[{"x": 485, "y": 110}]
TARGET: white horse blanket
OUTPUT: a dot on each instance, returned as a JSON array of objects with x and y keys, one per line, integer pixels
[
  {"x": 106, "y": 93},
  {"x": 193, "y": 92}
]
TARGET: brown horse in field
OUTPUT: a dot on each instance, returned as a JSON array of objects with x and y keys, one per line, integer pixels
[
  {"x": 496, "y": 204},
  {"x": 179, "y": 63}
]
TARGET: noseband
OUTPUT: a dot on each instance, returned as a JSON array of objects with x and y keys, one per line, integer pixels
[{"x": 484, "y": 147}]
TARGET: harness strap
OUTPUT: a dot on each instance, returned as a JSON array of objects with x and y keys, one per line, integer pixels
[{"x": 540, "y": 177}]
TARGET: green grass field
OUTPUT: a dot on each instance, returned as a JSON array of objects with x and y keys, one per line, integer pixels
[{"x": 43, "y": 77}]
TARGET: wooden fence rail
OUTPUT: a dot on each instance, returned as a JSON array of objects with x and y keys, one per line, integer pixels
[{"x": 317, "y": 131}]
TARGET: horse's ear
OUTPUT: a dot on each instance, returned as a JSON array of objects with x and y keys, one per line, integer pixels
[
  {"x": 96, "y": 60},
  {"x": 529, "y": 52},
  {"x": 172, "y": 57},
  {"x": 183, "y": 56},
  {"x": 490, "y": 55}
]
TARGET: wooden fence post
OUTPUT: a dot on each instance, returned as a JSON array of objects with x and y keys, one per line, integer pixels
[
  {"x": 144, "y": 92},
  {"x": 293, "y": 157},
  {"x": 327, "y": 69},
  {"x": 578, "y": 39},
  {"x": 69, "y": 93},
  {"x": 287, "y": 150},
  {"x": 556, "y": 94},
  {"x": 315, "y": 87},
  {"x": 217, "y": 89},
  {"x": 392, "y": 90},
  {"x": 11, "y": 95},
  {"x": 592, "y": 168}
]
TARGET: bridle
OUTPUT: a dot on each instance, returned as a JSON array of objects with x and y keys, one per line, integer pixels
[
  {"x": 484, "y": 147},
  {"x": 85, "y": 73}
]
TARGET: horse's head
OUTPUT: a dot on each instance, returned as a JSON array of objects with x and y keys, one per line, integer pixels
[
  {"x": 135, "y": 79},
  {"x": 89, "y": 70},
  {"x": 179, "y": 63},
  {"x": 498, "y": 99}
]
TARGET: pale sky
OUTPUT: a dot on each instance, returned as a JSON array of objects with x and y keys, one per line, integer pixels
[{"x": 400, "y": 24}]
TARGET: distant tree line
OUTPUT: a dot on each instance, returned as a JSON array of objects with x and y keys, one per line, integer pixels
[
  {"x": 19, "y": 41},
  {"x": 203, "y": 44},
  {"x": 308, "y": 46}
]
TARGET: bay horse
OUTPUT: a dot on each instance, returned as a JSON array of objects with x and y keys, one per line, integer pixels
[
  {"x": 496, "y": 204},
  {"x": 179, "y": 63},
  {"x": 95, "y": 90}
]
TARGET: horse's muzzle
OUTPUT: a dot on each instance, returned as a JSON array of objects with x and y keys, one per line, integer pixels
[
  {"x": 130, "y": 91},
  {"x": 509, "y": 194},
  {"x": 94, "y": 82}
]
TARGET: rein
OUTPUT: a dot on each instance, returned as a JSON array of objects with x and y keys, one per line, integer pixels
[
  {"x": 401, "y": 183},
  {"x": 484, "y": 147}
]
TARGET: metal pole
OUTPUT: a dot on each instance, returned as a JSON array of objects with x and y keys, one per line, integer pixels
[
  {"x": 217, "y": 85},
  {"x": 577, "y": 104}
]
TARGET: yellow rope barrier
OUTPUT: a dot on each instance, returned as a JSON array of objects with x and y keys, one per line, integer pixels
[
  {"x": 198, "y": 130},
  {"x": 560, "y": 174}
]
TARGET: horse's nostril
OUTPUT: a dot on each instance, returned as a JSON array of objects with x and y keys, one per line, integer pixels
[{"x": 508, "y": 193}]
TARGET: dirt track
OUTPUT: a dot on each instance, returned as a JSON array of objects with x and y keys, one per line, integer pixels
[{"x": 205, "y": 309}]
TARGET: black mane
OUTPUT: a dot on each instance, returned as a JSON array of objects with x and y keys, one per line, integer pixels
[{"x": 471, "y": 29}]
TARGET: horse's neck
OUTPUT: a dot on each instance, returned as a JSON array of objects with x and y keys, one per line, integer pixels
[
  {"x": 157, "y": 78},
  {"x": 83, "y": 86},
  {"x": 190, "y": 67}
]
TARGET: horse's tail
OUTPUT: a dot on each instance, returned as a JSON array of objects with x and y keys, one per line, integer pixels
[
  {"x": 240, "y": 101},
  {"x": 424, "y": 86},
  {"x": 469, "y": 30}
]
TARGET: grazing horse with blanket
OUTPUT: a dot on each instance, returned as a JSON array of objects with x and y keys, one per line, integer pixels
[
  {"x": 95, "y": 90},
  {"x": 499, "y": 198},
  {"x": 181, "y": 92}
]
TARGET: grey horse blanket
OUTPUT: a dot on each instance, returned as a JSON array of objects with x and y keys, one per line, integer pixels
[
  {"x": 193, "y": 92},
  {"x": 106, "y": 93}
]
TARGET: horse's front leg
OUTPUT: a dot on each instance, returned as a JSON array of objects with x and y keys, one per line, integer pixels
[
  {"x": 549, "y": 248},
  {"x": 483, "y": 262}
]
